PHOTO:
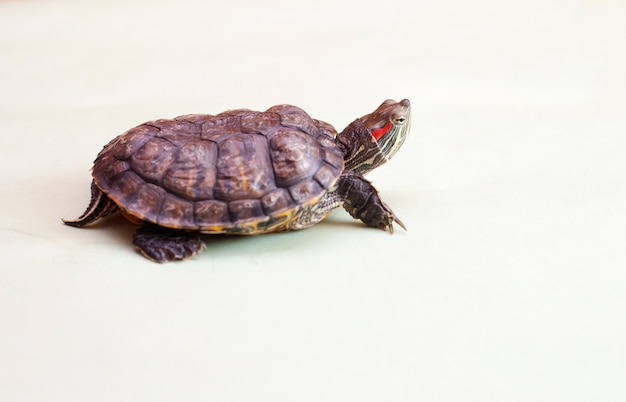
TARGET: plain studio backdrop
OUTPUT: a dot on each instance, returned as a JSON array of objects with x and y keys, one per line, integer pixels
[{"x": 509, "y": 285}]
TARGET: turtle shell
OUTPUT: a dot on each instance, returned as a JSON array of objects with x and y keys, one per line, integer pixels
[{"x": 240, "y": 171}]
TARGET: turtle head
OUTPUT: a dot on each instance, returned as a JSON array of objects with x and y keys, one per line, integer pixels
[{"x": 373, "y": 139}]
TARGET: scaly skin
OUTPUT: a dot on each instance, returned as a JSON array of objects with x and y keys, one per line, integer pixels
[{"x": 362, "y": 202}]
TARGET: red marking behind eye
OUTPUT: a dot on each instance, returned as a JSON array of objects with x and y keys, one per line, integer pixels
[{"x": 379, "y": 132}]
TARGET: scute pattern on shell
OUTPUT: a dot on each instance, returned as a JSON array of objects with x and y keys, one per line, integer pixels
[{"x": 240, "y": 171}]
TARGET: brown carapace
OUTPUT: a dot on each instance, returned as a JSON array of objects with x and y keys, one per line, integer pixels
[{"x": 242, "y": 172}]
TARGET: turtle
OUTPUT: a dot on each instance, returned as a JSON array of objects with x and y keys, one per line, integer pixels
[{"x": 242, "y": 172}]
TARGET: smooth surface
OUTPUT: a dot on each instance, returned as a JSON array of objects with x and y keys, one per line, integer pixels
[{"x": 510, "y": 284}]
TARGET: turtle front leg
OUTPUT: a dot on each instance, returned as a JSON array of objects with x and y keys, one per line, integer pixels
[
  {"x": 361, "y": 200},
  {"x": 164, "y": 245}
]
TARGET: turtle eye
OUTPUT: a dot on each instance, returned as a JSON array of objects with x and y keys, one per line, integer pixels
[{"x": 399, "y": 120}]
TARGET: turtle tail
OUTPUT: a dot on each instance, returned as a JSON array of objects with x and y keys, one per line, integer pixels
[{"x": 99, "y": 207}]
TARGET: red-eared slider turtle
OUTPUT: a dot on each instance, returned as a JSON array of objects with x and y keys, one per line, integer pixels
[{"x": 242, "y": 172}]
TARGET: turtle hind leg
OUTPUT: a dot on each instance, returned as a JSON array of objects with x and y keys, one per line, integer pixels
[
  {"x": 361, "y": 200},
  {"x": 164, "y": 245},
  {"x": 99, "y": 207}
]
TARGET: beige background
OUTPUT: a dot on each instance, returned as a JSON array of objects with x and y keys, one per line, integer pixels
[{"x": 510, "y": 284}]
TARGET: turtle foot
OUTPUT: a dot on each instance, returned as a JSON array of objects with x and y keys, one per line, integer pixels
[
  {"x": 381, "y": 216},
  {"x": 362, "y": 202},
  {"x": 164, "y": 245}
]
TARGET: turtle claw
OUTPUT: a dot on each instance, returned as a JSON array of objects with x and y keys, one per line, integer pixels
[
  {"x": 388, "y": 219},
  {"x": 399, "y": 222},
  {"x": 379, "y": 215}
]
